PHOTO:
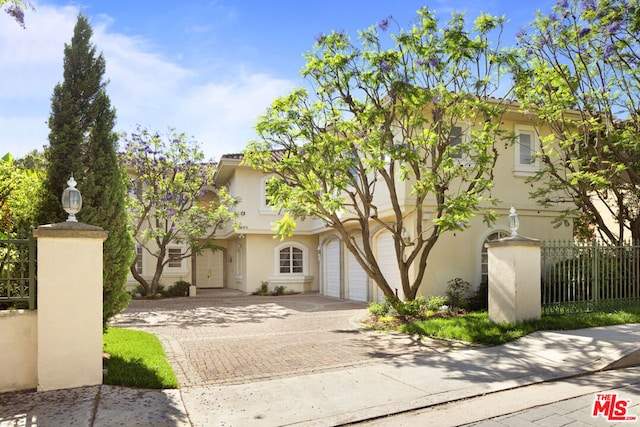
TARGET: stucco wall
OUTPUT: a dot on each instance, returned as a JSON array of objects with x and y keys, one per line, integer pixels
[
  {"x": 259, "y": 262},
  {"x": 19, "y": 341}
]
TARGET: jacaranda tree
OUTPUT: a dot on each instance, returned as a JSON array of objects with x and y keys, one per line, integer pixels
[
  {"x": 582, "y": 78},
  {"x": 16, "y": 8},
  {"x": 372, "y": 119},
  {"x": 172, "y": 199}
]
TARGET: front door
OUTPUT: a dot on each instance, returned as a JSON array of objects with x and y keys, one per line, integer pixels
[{"x": 210, "y": 269}]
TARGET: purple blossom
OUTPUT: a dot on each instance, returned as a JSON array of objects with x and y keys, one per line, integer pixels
[
  {"x": 436, "y": 99},
  {"x": 614, "y": 27},
  {"x": 564, "y": 4},
  {"x": 385, "y": 67},
  {"x": 521, "y": 33},
  {"x": 588, "y": 4},
  {"x": 421, "y": 62},
  {"x": 384, "y": 24},
  {"x": 609, "y": 50},
  {"x": 584, "y": 32},
  {"x": 433, "y": 61},
  {"x": 553, "y": 17},
  {"x": 17, "y": 13}
]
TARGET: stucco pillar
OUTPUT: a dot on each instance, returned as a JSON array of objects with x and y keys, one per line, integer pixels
[
  {"x": 514, "y": 279},
  {"x": 69, "y": 305}
]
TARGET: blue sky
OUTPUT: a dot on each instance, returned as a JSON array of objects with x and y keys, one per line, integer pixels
[{"x": 206, "y": 68}]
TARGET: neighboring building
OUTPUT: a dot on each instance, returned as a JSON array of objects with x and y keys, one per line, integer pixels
[{"x": 315, "y": 259}]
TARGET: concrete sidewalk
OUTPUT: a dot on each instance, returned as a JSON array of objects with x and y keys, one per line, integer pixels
[{"x": 349, "y": 395}]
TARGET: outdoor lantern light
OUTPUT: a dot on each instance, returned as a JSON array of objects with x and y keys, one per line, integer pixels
[
  {"x": 71, "y": 200},
  {"x": 514, "y": 222}
]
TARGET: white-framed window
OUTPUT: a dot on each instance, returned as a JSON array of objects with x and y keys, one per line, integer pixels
[
  {"x": 458, "y": 143},
  {"x": 139, "y": 266},
  {"x": 175, "y": 261},
  {"x": 138, "y": 190},
  {"x": 264, "y": 206},
  {"x": 527, "y": 146},
  {"x": 456, "y": 137},
  {"x": 291, "y": 258}
]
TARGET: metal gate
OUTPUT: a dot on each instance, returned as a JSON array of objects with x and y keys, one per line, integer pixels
[
  {"x": 18, "y": 271},
  {"x": 589, "y": 276}
]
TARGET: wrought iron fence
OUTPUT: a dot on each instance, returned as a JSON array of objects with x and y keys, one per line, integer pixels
[
  {"x": 18, "y": 271},
  {"x": 589, "y": 276}
]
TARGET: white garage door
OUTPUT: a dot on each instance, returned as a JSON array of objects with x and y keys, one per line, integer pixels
[
  {"x": 210, "y": 269},
  {"x": 358, "y": 279},
  {"x": 332, "y": 271},
  {"x": 386, "y": 257}
]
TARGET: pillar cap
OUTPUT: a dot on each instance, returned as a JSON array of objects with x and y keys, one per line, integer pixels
[
  {"x": 70, "y": 229},
  {"x": 513, "y": 241}
]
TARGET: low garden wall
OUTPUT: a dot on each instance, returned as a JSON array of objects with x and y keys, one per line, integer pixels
[{"x": 19, "y": 344}]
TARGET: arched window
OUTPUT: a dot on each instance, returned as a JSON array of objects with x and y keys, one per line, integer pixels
[
  {"x": 291, "y": 260},
  {"x": 484, "y": 258}
]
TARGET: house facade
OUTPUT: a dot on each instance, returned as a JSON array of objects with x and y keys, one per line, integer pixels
[{"x": 315, "y": 258}]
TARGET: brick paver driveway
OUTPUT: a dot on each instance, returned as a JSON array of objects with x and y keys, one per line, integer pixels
[{"x": 221, "y": 339}]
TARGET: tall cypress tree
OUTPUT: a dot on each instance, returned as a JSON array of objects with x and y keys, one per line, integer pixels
[{"x": 82, "y": 143}]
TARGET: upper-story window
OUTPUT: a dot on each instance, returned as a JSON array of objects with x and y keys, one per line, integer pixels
[
  {"x": 455, "y": 138},
  {"x": 526, "y": 147},
  {"x": 264, "y": 200}
]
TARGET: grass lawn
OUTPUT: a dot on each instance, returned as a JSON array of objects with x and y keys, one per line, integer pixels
[
  {"x": 136, "y": 359},
  {"x": 475, "y": 327}
]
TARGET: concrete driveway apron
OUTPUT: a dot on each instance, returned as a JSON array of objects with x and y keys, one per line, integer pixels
[{"x": 226, "y": 338}]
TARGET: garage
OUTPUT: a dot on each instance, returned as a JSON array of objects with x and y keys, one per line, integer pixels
[
  {"x": 358, "y": 279},
  {"x": 332, "y": 268},
  {"x": 386, "y": 257}
]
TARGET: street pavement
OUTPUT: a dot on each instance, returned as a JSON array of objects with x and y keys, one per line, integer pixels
[{"x": 304, "y": 360}]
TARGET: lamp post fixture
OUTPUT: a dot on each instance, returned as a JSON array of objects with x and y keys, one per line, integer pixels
[
  {"x": 71, "y": 200},
  {"x": 514, "y": 222}
]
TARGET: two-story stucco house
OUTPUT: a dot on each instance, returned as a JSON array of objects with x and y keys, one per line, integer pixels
[{"x": 316, "y": 260}]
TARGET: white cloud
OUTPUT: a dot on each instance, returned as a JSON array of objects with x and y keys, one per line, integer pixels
[
  {"x": 144, "y": 87},
  {"x": 224, "y": 113}
]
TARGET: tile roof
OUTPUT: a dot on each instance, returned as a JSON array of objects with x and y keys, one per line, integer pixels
[{"x": 276, "y": 155}]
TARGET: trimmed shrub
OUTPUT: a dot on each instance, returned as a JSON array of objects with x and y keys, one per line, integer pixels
[
  {"x": 456, "y": 289},
  {"x": 379, "y": 309},
  {"x": 435, "y": 303},
  {"x": 179, "y": 289}
]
